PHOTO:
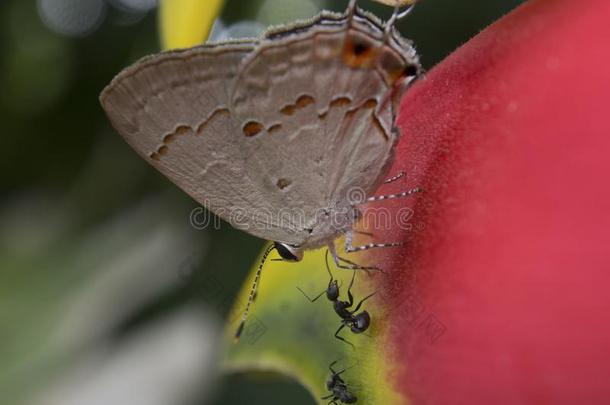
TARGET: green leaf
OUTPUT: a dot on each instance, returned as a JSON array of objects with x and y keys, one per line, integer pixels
[{"x": 287, "y": 333}]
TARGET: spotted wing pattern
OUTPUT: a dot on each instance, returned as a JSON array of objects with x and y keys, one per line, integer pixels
[{"x": 271, "y": 135}]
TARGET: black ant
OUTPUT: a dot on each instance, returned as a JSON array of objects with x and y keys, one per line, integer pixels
[
  {"x": 338, "y": 387},
  {"x": 357, "y": 322}
]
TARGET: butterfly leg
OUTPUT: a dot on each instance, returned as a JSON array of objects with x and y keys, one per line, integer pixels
[
  {"x": 407, "y": 193},
  {"x": 345, "y": 264},
  {"x": 349, "y": 248},
  {"x": 349, "y": 265},
  {"x": 394, "y": 178},
  {"x": 363, "y": 232}
]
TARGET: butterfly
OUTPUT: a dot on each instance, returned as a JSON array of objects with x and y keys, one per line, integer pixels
[{"x": 283, "y": 137}]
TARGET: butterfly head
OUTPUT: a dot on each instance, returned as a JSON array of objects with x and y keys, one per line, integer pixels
[{"x": 288, "y": 252}]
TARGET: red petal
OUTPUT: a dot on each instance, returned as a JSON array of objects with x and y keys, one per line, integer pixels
[{"x": 505, "y": 293}]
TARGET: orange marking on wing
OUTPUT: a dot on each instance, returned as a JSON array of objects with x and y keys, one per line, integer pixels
[{"x": 358, "y": 54}]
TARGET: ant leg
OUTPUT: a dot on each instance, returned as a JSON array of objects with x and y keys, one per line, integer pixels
[
  {"x": 362, "y": 300},
  {"x": 328, "y": 266},
  {"x": 328, "y": 397},
  {"x": 350, "y": 297},
  {"x": 340, "y": 338}
]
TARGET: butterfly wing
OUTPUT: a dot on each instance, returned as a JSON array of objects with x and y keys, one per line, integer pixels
[
  {"x": 172, "y": 108},
  {"x": 268, "y": 135},
  {"x": 315, "y": 106}
]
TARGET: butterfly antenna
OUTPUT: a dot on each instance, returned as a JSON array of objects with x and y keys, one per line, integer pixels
[
  {"x": 351, "y": 9},
  {"x": 396, "y": 15},
  {"x": 257, "y": 278},
  {"x": 349, "y": 15},
  {"x": 406, "y": 11}
]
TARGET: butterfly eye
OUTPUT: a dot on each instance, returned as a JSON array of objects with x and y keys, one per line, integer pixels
[
  {"x": 411, "y": 70},
  {"x": 395, "y": 68},
  {"x": 290, "y": 253}
]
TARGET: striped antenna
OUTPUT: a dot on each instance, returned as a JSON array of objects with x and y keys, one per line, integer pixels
[
  {"x": 257, "y": 278},
  {"x": 397, "y": 15},
  {"x": 351, "y": 8},
  {"x": 406, "y": 11}
]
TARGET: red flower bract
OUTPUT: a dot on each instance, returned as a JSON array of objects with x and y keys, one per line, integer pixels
[{"x": 510, "y": 139}]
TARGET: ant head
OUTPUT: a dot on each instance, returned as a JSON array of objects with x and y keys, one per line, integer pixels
[
  {"x": 333, "y": 380},
  {"x": 330, "y": 382},
  {"x": 290, "y": 253},
  {"x": 361, "y": 322},
  {"x": 332, "y": 293}
]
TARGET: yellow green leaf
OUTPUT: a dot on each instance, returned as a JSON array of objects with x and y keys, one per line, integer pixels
[
  {"x": 287, "y": 333},
  {"x": 185, "y": 23}
]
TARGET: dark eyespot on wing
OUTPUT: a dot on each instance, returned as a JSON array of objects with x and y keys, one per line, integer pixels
[
  {"x": 304, "y": 101},
  {"x": 359, "y": 51},
  {"x": 274, "y": 128},
  {"x": 283, "y": 183},
  {"x": 252, "y": 128}
]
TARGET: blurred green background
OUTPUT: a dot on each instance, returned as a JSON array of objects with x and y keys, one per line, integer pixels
[{"x": 105, "y": 287}]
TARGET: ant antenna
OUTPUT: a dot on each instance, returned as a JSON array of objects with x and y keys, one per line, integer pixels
[
  {"x": 329, "y": 282},
  {"x": 257, "y": 278},
  {"x": 330, "y": 367}
]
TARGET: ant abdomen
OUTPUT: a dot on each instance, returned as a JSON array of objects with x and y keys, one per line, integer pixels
[{"x": 360, "y": 322}]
